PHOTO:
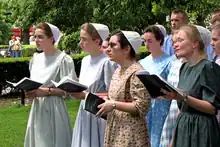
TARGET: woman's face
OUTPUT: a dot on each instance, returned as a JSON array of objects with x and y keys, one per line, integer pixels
[
  {"x": 86, "y": 42},
  {"x": 114, "y": 50},
  {"x": 42, "y": 41},
  {"x": 104, "y": 45},
  {"x": 183, "y": 45},
  {"x": 151, "y": 42}
]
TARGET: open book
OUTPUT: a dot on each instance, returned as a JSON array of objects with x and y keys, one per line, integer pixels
[
  {"x": 91, "y": 104},
  {"x": 69, "y": 85},
  {"x": 26, "y": 84},
  {"x": 154, "y": 83}
]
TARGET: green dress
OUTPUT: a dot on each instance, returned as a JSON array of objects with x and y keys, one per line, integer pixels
[{"x": 195, "y": 128}]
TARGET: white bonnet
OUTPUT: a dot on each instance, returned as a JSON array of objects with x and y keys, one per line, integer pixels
[
  {"x": 56, "y": 33},
  {"x": 102, "y": 29},
  {"x": 205, "y": 35},
  {"x": 133, "y": 38},
  {"x": 162, "y": 29}
]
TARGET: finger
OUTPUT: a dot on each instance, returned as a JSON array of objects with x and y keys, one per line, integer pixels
[
  {"x": 105, "y": 98},
  {"x": 101, "y": 94},
  {"x": 100, "y": 106},
  {"x": 100, "y": 112},
  {"x": 164, "y": 91}
]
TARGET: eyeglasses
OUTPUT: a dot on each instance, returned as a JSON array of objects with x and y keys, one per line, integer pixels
[{"x": 178, "y": 40}]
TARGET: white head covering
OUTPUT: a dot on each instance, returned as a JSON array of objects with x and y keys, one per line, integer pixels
[
  {"x": 134, "y": 39},
  {"x": 162, "y": 29},
  {"x": 102, "y": 29},
  {"x": 56, "y": 33},
  {"x": 205, "y": 35}
]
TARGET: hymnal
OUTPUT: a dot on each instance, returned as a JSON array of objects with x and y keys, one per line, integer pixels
[
  {"x": 69, "y": 85},
  {"x": 154, "y": 83},
  {"x": 91, "y": 104},
  {"x": 26, "y": 84}
]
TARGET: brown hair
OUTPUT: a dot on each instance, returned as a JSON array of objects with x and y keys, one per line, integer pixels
[
  {"x": 217, "y": 26},
  {"x": 194, "y": 35},
  {"x": 123, "y": 41},
  {"x": 90, "y": 29},
  {"x": 44, "y": 26},
  {"x": 157, "y": 33},
  {"x": 179, "y": 11}
]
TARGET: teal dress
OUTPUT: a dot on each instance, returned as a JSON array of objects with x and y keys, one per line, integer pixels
[{"x": 195, "y": 128}]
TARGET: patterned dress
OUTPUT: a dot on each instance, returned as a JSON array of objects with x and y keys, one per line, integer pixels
[
  {"x": 159, "y": 108},
  {"x": 124, "y": 129},
  {"x": 169, "y": 124},
  {"x": 195, "y": 128}
]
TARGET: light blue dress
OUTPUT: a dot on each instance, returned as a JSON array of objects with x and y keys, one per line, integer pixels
[
  {"x": 96, "y": 73},
  {"x": 167, "y": 45},
  {"x": 159, "y": 108},
  {"x": 49, "y": 123},
  {"x": 169, "y": 124}
]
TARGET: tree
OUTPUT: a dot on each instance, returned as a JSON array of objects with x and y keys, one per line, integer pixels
[{"x": 4, "y": 25}]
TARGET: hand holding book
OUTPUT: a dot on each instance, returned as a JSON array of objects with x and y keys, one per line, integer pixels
[
  {"x": 69, "y": 85},
  {"x": 170, "y": 95},
  {"x": 26, "y": 84},
  {"x": 154, "y": 84}
]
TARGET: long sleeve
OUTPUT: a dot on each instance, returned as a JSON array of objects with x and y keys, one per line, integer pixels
[{"x": 140, "y": 95}]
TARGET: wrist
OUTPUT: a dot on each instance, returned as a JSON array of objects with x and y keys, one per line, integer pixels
[
  {"x": 185, "y": 98},
  {"x": 49, "y": 92},
  {"x": 114, "y": 105}
]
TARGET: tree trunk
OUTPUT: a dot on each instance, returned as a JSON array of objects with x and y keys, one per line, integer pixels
[{"x": 25, "y": 36}]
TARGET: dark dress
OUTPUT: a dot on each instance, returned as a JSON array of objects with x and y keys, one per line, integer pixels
[{"x": 195, "y": 128}]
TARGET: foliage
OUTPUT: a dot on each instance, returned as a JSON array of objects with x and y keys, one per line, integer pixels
[
  {"x": 197, "y": 11},
  {"x": 70, "y": 42},
  {"x": 5, "y": 31}
]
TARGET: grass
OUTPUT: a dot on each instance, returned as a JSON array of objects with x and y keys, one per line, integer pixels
[{"x": 13, "y": 122}]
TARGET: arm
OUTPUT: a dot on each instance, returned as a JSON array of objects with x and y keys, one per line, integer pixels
[
  {"x": 139, "y": 105},
  {"x": 41, "y": 92},
  {"x": 128, "y": 107},
  {"x": 196, "y": 103},
  {"x": 201, "y": 105}
]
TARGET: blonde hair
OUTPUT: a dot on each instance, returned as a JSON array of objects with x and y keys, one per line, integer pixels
[
  {"x": 174, "y": 33},
  {"x": 194, "y": 35},
  {"x": 90, "y": 29}
]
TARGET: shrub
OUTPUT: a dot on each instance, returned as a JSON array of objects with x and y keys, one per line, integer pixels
[
  {"x": 69, "y": 43},
  {"x": 28, "y": 50},
  {"x": 14, "y": 69}
]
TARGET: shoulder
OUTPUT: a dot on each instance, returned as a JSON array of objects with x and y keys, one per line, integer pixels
[
  {"x": 211, "y": 66},
  {"x": 145, "y": 60},
  {"x": 110, "y": 63},
  {"x": 168, "y": 38},
  {"x": 86, "y": 58},
  {"x": 67, "y": 58}
]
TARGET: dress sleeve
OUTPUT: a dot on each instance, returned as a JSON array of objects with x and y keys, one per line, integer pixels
[
  {"x": 67, "y": 68},
  {"x": 109, "y": 69},
  {"x": 31, "y": 62},
  {"x": 210, "y": 84},
  {"x": 140, "y": 95}
]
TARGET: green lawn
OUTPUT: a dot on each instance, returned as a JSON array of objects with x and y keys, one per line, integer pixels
[{"x": 13, "y": 121}]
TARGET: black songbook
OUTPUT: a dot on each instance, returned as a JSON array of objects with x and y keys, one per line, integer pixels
[
  {"x": 69, "y": 85},
  {"x": 91, "y": 104},
  {"x": 26, "y": 84},
  {"x": 154, "y": 83}
]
